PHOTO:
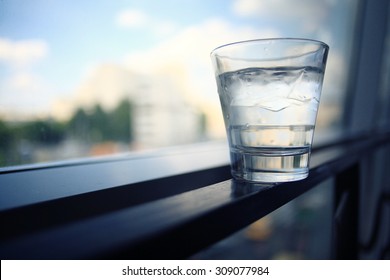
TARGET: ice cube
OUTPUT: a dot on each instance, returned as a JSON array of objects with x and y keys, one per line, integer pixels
[
  {"x": 274, "y": 104},
  {"x": 304, "y": 91},
  {"x": 274, "y": 107}
]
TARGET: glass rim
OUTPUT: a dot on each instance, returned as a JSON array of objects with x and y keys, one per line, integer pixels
[{"x": 291, "y": 39}]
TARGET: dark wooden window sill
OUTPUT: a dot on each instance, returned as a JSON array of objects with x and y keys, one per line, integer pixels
[{"x": 171, "y": 217}]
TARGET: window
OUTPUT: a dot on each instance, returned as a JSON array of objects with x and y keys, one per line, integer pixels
[{"x": 80, "y": 80}]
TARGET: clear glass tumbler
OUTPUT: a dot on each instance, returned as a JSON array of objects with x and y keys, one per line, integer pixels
[{"x": 270, "y": 92}]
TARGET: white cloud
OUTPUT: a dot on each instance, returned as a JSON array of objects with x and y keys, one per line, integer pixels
[
  {"x": 192, "y": 45},
  {"x": 306, "y": 15},
  {"x": 24, "y": 82},
  {"x": 23, "y": 95},
  {"x": 22, "y": 53},
  {"x": 247, "y": 7},
  {"x": 164, "y": 28},
  {"x": 22, "y": 92},
  {"x": 131, "y": 18}
]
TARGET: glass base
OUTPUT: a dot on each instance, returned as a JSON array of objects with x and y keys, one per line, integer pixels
[
  {"x": 270, "y": 165},
  {"x": 270, "y": 177}
]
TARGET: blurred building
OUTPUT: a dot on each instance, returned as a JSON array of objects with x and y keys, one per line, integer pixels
[{"x": 162, "y": 113}]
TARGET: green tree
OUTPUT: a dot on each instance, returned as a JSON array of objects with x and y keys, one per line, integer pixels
[
  {"x": 98, "y": 125},
  {"x": 46, "y": 132},
  {"x": 6, "y": 140},
  {"x": 120, "y": 122},
  {"x": 78, "y": 125}
]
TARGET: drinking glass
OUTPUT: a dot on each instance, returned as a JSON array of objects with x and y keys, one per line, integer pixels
[{"x": 269, "y": 91}]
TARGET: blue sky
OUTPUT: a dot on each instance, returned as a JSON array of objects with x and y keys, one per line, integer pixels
[
  {"x": 80, "y": 32},
  {"x": 48, "y": 47},
  {"x": 77, "y": 34}
]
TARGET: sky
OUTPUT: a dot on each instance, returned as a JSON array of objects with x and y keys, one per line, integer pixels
[{"x": 50, "y": 49}]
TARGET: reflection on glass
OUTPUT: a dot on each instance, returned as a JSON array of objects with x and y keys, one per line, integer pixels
[{"x": 80, "y": 79}]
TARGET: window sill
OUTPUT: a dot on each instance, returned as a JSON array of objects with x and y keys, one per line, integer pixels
[
  {"x": 170, "y": 217},
  {"x": 25, "y": 185}
]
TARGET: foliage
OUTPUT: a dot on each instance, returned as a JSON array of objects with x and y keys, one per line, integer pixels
[
  {"x": 92, "y": 126},
  {"x": 98, "y": 125}
]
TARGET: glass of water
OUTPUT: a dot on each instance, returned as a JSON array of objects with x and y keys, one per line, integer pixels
[{"x": 269, "y": 92}]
